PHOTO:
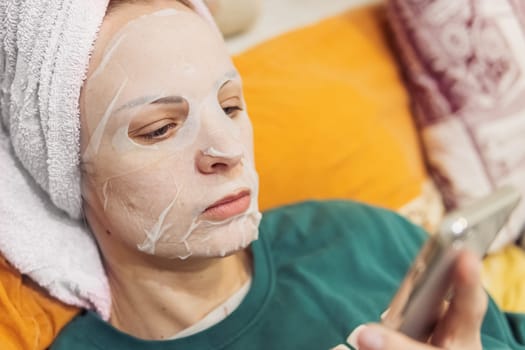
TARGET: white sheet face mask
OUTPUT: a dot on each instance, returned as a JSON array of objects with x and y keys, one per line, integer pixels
[{"x": 166, "y": 137}]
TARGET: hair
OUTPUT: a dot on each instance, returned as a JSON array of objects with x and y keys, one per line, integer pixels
[{"x": 114, "y": 4}]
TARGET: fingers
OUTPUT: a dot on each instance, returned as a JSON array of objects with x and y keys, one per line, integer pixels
[
  {"x": 376, "y": 337},
  {"x": 460, "y": 326}
]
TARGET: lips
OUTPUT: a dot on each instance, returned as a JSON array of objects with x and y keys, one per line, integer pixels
[{"x": 228, "y": 206}]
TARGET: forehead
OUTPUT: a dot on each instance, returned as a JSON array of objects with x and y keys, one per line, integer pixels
[
  {"x": 157, "y": 46},
  {"x": 170, "y": 51}
]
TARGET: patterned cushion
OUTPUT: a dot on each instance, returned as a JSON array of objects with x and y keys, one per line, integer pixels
[{"x": 465, "y": 64}]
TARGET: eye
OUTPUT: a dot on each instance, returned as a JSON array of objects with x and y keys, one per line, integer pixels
[
  {"x": 232, "y": 111},
  {"x": 159, "y": 134}
]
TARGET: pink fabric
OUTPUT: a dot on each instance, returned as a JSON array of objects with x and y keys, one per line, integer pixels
[{"x": 465, "y": 64}]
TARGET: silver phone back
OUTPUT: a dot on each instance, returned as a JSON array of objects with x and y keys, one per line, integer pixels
[{"x": 417, "y": 305}]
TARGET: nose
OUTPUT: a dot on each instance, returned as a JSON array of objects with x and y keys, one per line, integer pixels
[{"x": 213, "y": 161}]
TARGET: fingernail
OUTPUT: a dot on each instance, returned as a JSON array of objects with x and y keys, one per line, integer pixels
[
  {"x": 352, "y": 338},
  {"x": 384, "y": 314},
  {"x": 371, "y": 339}
]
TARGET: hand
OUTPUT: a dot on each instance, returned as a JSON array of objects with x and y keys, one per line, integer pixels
[{"x": 458, "y": 329}]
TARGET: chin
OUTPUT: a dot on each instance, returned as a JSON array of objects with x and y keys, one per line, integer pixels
[{"x": 219, "y": 241}]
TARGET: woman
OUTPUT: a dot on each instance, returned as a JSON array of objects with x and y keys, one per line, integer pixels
[{"x": 169, "y": 192}]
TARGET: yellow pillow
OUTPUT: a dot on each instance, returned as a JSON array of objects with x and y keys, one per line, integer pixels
[
  {"x": 29, "y": 318},
  {"x": 504, "y": 277},
  {"x": 331, "y": 115}
]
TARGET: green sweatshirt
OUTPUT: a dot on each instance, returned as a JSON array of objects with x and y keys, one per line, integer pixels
[{"x": 320, "y": 270}]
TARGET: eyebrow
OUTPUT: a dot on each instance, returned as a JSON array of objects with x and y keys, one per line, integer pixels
[
  {"x": 226, "y": 83},
  {"x": 229, "y": 78},
  {"x": 170, "y": 99},
  {"x": 150, "y": 100}
]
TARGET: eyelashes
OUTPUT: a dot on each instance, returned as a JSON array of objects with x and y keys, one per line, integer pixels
[
  {"x": 160, "y": 133},
  {"x": 232, "y": 111}
]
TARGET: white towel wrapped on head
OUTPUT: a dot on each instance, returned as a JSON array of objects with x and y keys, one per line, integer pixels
[
  {"x": 44, "y": 55},
  {"x": 42, "y": 242},
  {"x": 45, "y": 47}
]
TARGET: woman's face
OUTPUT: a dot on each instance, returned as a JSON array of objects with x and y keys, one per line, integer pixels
[{"x": 167, "y": 155}]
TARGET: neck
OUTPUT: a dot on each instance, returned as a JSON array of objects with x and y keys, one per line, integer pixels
[{"x": 155, "y": 299}]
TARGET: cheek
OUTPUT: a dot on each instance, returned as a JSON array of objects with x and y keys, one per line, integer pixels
[
  {"x": 134, "y": 202},
  {"x": 145, "y": 189}
]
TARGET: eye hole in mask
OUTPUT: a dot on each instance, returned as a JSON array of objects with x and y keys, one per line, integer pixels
[
  {"x": 159, "y": 120},
  {"x": 229, "y": 97}
]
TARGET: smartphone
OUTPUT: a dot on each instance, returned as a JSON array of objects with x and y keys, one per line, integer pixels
[{"x": 417, "y": 305}]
